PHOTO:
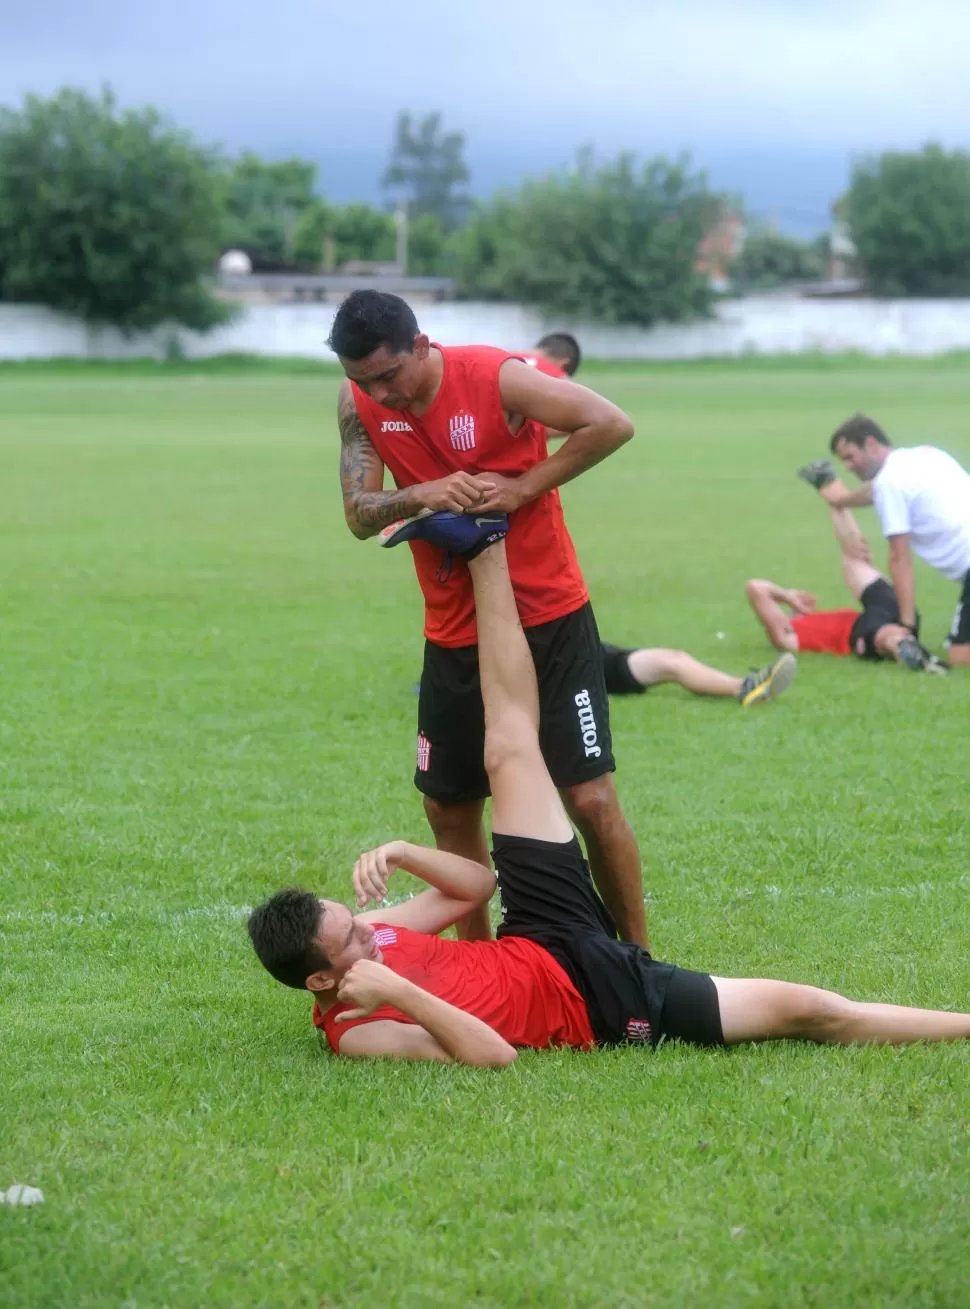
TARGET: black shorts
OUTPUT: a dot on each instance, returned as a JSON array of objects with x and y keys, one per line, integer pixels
[
  {"x": 548, "y": 897},
  {"x": 574, "y": 714},
  {"x": 879, "y": 607},
  {"x": 960, "y": 631},
  {"x": 616, "y": 671}
]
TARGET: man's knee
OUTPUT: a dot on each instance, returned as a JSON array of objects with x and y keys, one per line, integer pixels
[
  {"x": 453, "y": 822},
  {"x": 513, "y": 740},
  {"x": 959, "y": 655},
  {"x": 593, "y": 805},
  {"x": 816, "y": 1015}
]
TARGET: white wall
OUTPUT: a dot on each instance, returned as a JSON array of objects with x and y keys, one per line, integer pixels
[{"x": 767, "y": 324}]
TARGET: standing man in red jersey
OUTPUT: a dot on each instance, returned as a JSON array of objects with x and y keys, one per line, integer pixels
[{"x": 463, "y": 429}]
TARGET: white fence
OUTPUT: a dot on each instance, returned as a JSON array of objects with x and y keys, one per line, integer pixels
[{"x": 768, "y": 324}]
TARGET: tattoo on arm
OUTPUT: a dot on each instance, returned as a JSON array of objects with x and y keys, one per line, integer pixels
[{"x": 368, "y": 511}]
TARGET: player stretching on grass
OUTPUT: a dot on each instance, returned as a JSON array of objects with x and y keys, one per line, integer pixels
[
  {"x": 385, "y": 984},
  {"x": 875, "y": 632},
  {"x": 922, "y": 497},
  {"x": 464, "y": 429}
]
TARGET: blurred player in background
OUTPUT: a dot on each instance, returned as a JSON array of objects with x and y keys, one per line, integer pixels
[
  {"x": 922, "y": 497},
  {"x": 792, "y": 622}
]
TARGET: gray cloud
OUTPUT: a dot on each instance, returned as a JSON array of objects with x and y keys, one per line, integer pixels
[{"x": 750, "y": 80}]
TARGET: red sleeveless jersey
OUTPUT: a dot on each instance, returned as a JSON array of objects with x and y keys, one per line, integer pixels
[
  {"x": 825, "y": 633},
  {"x": 464, "y": 430},
  {"x": 512, "y": 984}
]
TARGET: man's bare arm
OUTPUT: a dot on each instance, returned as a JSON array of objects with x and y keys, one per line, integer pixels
[
  {"x": 904, "y": 583},
  {"x": 456, "y": 886},
  {"x": 461, "y": 1036},
  {"x": 594, "y": 429},
  {"x": 368, "y": 508},
  {"x": 766, "y": 599},
  {"x": 839, "y": 498}
]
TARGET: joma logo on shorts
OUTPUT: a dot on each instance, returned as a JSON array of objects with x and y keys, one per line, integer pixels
[
  {"x": 396, "y": 425},
  {"x": 587, "y": 725}
]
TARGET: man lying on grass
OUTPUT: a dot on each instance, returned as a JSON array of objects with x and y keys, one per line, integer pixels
[
  {"x": 385, "y": 983},
  {"x": 875, "y": 632}
]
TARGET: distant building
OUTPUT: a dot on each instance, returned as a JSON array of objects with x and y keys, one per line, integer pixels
[
  {"x": 328, "y": 288},
  {"x": 722, "y": 244}
]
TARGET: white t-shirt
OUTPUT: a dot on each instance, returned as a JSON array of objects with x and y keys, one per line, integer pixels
[{"x": 924, "y": 492}]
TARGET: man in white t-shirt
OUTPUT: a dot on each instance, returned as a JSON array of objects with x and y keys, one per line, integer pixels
[{"x": 922, "y": 497}]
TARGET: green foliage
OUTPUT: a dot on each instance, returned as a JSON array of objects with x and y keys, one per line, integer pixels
[
  {"x": 107, "y": 214},
  {"x": 357, "y": 232},
  {"x": 264, "y": 202},
  {"x": 429, "y": 247},
  {"x": 206, "y": 696},
  {"x": 309, "y": 231},
  {"x": 363, "y": 232},
  {"x": 771, "y": 259},
  {"x": 909, "y": 217},
  {"x": 615, "y": 243},
  {"x": 428, "y": 164}
]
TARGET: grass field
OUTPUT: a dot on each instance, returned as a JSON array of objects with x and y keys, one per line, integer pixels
[{"x": 206, "y": 694}]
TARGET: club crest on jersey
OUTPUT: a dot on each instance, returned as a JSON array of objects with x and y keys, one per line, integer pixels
[
  {"x": 424, "y": 753},
  {"x": 462, "y": 431},
  {"x": 638, "y": 1029}
]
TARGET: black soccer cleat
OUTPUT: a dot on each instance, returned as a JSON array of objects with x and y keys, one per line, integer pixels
[
  {"x": 768, "y": 683},
  {"x": 818, "y": 474},
  {"x": 918, "y": 658},
  {"x": 465, "y": 535}
]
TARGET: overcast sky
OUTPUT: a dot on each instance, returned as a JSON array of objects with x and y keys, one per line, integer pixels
[{"x": 774, "y": 97}]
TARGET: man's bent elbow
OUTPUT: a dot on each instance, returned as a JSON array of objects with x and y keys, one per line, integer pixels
[
  {"x": 356, "y": 527},
  {"x": 623, "y": 431}
]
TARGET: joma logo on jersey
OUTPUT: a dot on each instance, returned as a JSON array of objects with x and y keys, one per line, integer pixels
[
  {"x": 396, "y": 425},
  {"x": 461, "y": 428},
  {"x": 587, "y": 725}
]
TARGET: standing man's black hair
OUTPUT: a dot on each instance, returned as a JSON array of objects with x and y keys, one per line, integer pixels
[
  {"x": 563, "y": 347},
  {"x": 369, "y": 319}
]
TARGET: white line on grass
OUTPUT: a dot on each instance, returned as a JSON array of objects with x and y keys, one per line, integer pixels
[{"x": 233, "y": 912}]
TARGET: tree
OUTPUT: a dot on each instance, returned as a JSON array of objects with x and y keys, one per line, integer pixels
[
  {"x": 427, "y": 164},
  {"x": 309, "y": 232},
  {"x": 357, "y": 233},
  {"x": 770, "y": 259},
  {"x": 429, "y": 250},
  {"x": 615, "y": 242},
  {"x": 909, "y": 217},
  {"x": 113, "y": 216},
  {"x": 264, "y": 202}
]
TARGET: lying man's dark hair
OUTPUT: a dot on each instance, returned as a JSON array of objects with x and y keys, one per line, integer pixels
[{"x": 282, "y": 932}]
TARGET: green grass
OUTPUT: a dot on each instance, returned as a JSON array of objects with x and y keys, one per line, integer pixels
[{"x": 206, "y": 694}]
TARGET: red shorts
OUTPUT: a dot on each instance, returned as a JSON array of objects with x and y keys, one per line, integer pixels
[{"x": 828, "y": 632}]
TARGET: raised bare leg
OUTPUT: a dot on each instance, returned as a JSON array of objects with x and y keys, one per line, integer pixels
[
  {"x": 857, "y": 565},
  {"x": 525, "y": 801}
]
